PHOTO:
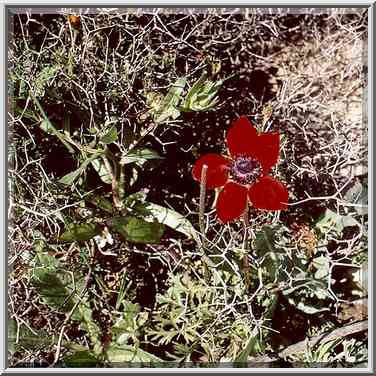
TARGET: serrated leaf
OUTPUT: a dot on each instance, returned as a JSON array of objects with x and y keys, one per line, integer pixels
[
  {"x": 81, "y": 359},
  {"x": 201, "y": 96},
  {"x": 110, "y": 136},
  {"x": 137, "y": 230},
  {"x": 139, "y": 156},
  {"x": 153, "y": 212},
  {"x": 102, "y": 171},
  {"x": 80, "y": 232},
  {"x": 130, "y": 354}
]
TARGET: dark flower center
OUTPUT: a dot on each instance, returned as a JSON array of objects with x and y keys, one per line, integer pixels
[{"x": 245, "y": 170}]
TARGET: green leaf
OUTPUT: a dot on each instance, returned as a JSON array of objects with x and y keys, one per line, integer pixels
[
  {"x": 251, "y": 349},
  {"x": 102, "y": 171},
  {"x": 360, "y": 277},
  {"x": 358, "y": 195},
  {"x": 135, "y": 198},
  {"x": 44, "y": 259},
  {"x": 44, "y": 78},
  {"x": 137, "y": 230},
  {"x": 61, "y": 291},
  {"x": 194, "y": 90},
  {"x": 130, "y": 354},
  {"x": 325, "y": 350},
  {"x": 72, "y": 176},
  {"x": 271, "y": 245},
  {"x": 310, "y": 309},
  {"x": 81, "y": 359},
  {"x": 202, "y": 95},
  {"x": 127, "y": 325},
  {"x": 46, "y": 123},
  {"x": 69, "y": 179},
  {"x": 39, "y": 246},
  {"x": 271, "y": 238},
  {"x": 322, "y": 266},
  {"x": 331, "y": 220},
  {"x": 315, "y": 287},
  {"x": 21, "y": 337},
  {"x": 100, "y": 202},
  {"x": 167, "y": 108},
  {"x": 55, "y": 287},
  {"x": 169, "y": 217},
  {"x": 110, "y": 136},
  {"x": 348, "y": 221},
  {"x": 308, "y": 294},
  {"x": 139, "y": 156},
  {"x": 80, "y": 232},
  {"x": 47, "y": 126},
  {"x": 84, "y": 314}
]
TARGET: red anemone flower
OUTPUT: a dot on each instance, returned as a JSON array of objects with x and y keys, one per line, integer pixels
[{"x": 244, "y": 175}]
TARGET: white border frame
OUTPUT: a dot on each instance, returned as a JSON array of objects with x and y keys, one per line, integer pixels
[{"x": 173, "y": 4}]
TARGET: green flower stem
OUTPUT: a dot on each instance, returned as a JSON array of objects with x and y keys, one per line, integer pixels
[
  {"x": 201, "y": 219},
  {"x": 245, "y": 262},
  {"x": 202, "y": 201},
  {"x": 115, "y": 186}
]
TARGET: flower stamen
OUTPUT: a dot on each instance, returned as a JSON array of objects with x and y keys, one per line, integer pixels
[{"x": 245, "y": 170}]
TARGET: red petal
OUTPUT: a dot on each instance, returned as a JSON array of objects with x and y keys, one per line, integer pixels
[
  {"x": 232, "y": 202},
  {"x": 217, "y": 173},
  {"x": 241, "y": 136},
  {"x": 266, "y": 150},
  {"x": 268, "y": 194}
]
